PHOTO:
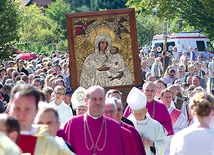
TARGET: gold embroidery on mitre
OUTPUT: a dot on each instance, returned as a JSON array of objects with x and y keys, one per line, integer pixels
[{"x": 80, "y": 96}]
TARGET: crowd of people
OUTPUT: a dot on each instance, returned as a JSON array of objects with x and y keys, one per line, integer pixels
[{"x": 171, "y": 114}]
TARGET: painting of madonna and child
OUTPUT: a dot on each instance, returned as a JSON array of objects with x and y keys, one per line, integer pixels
[{"x": 103, "y": 49}]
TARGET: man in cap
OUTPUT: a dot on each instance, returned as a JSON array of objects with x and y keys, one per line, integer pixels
[
  {"x": 92, "y": 131},
  {"x": 151, "y": 131},
  {"x": 156, "y": 109},
  {"x": 67, "y": 99}
]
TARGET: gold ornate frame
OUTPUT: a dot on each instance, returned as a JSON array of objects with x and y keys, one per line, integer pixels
[{"x": 121, "y": 27}]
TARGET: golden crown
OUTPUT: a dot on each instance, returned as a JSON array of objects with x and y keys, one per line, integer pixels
[{"x": 101, "y": 29}]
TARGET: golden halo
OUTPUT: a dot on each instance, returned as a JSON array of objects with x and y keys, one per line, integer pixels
[
  {"x": 102, "y": 29},
  {"x": 115, "y": 44}
]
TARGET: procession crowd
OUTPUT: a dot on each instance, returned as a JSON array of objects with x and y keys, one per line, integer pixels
[{"x": 172, "y": 113}]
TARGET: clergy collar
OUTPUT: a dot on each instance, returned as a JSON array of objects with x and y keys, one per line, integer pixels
[
  {"x": 156, "y": 98},
  {"x": 94, "y": 116},
  {"x": 143, "y": 122},
  {"x": 151, "y": 101},
  {"x": 34, "y": 129},
  {"x": 58, "y": 104},
  {"x": 175, "y": 99}
]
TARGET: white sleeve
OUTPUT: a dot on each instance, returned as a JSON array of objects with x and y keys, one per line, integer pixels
[{"x": 161, "y": 141}]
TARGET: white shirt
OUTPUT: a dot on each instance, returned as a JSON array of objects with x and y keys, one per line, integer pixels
[
  {"x": 64, "y": 111},
  {"x": 152, "y": 130},
  {"x": 146, "y": 69},
  {"x": 175, "y": 55},
  {"x": 34, "y": 129},
  {"x": 193, "y": 141},
  {"x": 63, "y": 146},
  {"x": 211, "y": 69},
  {"x": 190, "y": 55}
]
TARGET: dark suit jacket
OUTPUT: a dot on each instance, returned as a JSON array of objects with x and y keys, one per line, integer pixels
[
  {"x": 193, "y": 56},
  {"x": 179, "y": 103},
  {"x": 127, "y": 121}
]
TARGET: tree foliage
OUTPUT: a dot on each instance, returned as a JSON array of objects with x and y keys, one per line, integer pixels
[
  {"x": 147, "y": 26},
  {"x": 36, "y": 27},
  {"x": 96, "y": 5},
  {"x": 196, "y": 13},
  {"x": 57, "y": 11},
  {"x": 9, "y": 19}
]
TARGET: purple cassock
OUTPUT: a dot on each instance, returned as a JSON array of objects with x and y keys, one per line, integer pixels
[
  {"x": 89, "y": 136},
  {"x": 137, "y": 139},
  {"x": 158, "y": 112},
  {"x": 128, "y": 142}
]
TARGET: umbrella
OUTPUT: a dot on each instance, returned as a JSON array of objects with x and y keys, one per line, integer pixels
[{"x": 27, "y": 56}]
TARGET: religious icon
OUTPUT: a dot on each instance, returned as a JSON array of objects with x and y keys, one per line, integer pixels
[{"x": 103, "y": 49}]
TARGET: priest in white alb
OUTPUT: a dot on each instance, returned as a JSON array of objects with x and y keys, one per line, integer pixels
[{"x": 151, "y": 131}]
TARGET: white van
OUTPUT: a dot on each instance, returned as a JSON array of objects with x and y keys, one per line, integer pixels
[{"x": 183, "y": 41}]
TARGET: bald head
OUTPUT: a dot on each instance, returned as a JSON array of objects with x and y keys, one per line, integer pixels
[{"x": 94, "y": 88}]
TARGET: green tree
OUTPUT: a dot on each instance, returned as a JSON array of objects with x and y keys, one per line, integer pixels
[
  {"x": 9, "y": 19},
  {"x": 36, "y": 27},
  {"x": 96, "y": 5},
  {"x": 196, "y": 13},
  {"x": 147, "y": 27},
  {"x": 57, "y": 11}
]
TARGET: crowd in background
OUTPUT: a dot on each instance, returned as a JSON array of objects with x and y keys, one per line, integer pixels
[{"x": 170, "y": 79}]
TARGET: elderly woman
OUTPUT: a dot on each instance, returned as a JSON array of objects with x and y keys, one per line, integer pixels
[
  {"x": 183, "y": 57},
  {"x": 157, "y": 68},
  {"x": 199, "y": 137}
]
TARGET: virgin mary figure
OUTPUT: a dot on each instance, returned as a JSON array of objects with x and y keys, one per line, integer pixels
[{"x": 94, "y": 70}]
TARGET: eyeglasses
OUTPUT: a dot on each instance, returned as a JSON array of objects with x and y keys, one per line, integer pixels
[
  {"x": 58, "y": 93},
  {"x": 171, "y": 75},
  {"x": 49, "y": 64},
  {"x": 190, "y": 89},
  {"x": 119, "y": 109}
]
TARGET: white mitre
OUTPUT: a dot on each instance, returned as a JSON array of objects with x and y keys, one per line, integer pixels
[
  {"x": 136, "y": 99},
  {"x": 78, "y": 96}
]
